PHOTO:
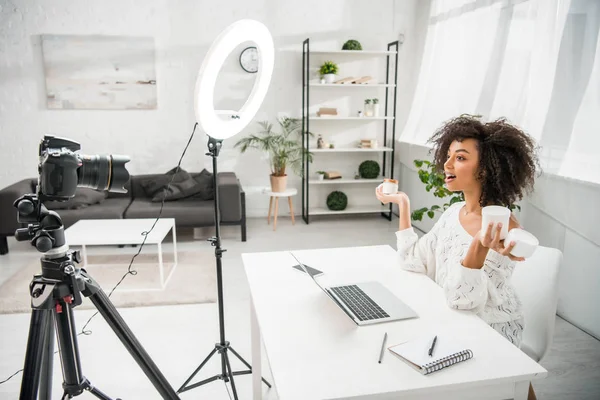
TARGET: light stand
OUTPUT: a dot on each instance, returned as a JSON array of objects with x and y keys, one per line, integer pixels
[
  {"x": 227, "y": 374},
  {"x": 220, "y": 125}
]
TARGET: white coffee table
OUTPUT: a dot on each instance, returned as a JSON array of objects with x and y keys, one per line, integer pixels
[{"x": 98, "y": 232}]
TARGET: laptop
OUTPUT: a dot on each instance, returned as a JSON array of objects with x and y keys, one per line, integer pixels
[{"x": 365, "y": 303}]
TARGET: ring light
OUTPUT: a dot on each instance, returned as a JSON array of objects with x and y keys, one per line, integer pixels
[{"x": 211, "y": 120}]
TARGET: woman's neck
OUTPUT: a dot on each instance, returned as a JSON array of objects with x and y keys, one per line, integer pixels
[{"x": 472, "y": 205}]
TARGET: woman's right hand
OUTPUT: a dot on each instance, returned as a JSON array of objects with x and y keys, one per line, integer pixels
[{"x": 397, "y": 198}]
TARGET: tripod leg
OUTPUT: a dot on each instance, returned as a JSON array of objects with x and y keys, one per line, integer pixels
[
  {"x": 247, "y": 365},
  {"x": 69, "y": 349},
  {"x": 38, "y": 326},
  {"x": 47, "y": 362},
  {"x": 230, "y": 372},
  {"x": 197, "y": 369},
  {"x": 118, "y": 325},
  {"x": 98, "y": 393}
]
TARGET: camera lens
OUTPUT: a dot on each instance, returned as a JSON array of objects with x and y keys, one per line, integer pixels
[{"x": 103, "y": 172}]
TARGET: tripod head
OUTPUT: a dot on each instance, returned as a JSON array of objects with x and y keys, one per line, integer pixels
[
  {"x": 45, "y": 229},
  {"x": 46, "y": 233}
]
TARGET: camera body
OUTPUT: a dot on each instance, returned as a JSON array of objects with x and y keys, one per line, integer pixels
[{"x": 62, "y": 170}]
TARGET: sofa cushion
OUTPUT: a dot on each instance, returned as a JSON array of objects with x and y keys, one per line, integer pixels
[
  {"x": 187, "y": 212},
  {"x": 174, "y": 185},
  {"x": 109, "y": 209},
  {"x": 84, "y": 197},
  {"x": 205, "y": 184}
]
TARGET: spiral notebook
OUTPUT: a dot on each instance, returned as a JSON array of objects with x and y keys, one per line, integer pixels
[{"x": 448, "y": 351}]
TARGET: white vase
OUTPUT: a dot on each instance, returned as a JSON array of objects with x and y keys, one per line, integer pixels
[
  {"x": 368, "y": 110},
  {"x": 375, "y": 110},
  {"x": 329, "y": 78}
]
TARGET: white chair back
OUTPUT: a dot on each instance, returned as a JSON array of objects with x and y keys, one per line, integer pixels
[{"x": 536, "y": 283}]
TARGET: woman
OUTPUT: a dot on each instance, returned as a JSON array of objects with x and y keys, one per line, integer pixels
[{"x": 491, "y": 164}]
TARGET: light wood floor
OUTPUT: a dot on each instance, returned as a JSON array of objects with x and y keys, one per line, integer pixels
[{"x": 573, "y": 363}]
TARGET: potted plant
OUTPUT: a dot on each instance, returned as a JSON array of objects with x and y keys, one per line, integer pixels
[
  {"x": 352, "y": 45},
  {"x": 328, "y": 71},
  {"x": 435, "y": 181},
  {"x": 337, "y": 201},
  {"x": 369, "y": 169},
  {"x": 368, "y": 108},
  {"x": 284, "y": 149},
  {"x": 376, "y": 107},
  {"x": 320, "y": 175}
]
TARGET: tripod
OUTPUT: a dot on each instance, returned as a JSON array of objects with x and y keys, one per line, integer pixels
[
  {"x": 54, "y": 294},
  {"x": 214, "y": 146}
]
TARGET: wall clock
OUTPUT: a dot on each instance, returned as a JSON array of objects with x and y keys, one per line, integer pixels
[{"x": 249, "y": 60}]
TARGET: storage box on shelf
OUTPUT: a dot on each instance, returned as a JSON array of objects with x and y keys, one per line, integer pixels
[{"x": 347, "y": 150}]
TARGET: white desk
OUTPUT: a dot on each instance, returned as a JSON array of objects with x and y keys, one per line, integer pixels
[{"x": 316, "y": 352}]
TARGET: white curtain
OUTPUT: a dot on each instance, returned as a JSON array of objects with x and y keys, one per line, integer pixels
[
  {"x": 576, "y": 154},
  {"x": 534, "y": 62}
]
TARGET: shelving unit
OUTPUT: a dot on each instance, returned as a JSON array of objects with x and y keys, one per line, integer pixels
[
  {"x": 387, "y": 147},
  {"x": 352, "y": 150},
  {"x": 351, "y": 210},
  {"x": 350, "y": 85},
  {"x": 361, "y": 119}
]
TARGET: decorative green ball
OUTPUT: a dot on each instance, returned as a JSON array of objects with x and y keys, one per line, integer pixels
[
  {"x": 352, "y": 45},
  {"x": 337, "y": 201},
  {"x": 369, "y": 169}
]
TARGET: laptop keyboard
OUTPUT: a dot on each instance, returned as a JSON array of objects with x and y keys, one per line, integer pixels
[{"x": 361, "y": 305}]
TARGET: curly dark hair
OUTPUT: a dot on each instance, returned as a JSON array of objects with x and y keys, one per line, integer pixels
[{"x": 508, "y": 159}]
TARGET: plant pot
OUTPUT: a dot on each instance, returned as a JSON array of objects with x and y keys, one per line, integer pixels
[
  {"x": 320, "y": 177},
  {"x": 278, "y": 183},
  {"x": 375, "y": 110},
  {"x": 368, "y": 110},
  {"x": 329, "y": 78}
]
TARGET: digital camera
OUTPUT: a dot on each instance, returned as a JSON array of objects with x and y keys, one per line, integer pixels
[{"x": 62, "y": 170}]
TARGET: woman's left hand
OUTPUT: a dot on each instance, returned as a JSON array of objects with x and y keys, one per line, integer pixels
[{"x": 496, "y": 244}]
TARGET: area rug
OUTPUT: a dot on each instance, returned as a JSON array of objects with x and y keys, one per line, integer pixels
[{"x": 193, "y": 281}]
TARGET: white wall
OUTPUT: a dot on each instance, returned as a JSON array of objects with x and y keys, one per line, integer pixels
[{"x": 183, "y": 31}]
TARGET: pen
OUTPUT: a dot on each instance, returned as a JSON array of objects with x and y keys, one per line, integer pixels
[
  {"x": 382, "y": 348},
  {"x": 432, "y": 347}
]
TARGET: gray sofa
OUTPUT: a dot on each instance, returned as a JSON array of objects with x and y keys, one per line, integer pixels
[{"x": 190, "y": 212}]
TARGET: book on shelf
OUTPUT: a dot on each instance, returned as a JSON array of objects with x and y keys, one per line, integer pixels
[
  {"x": 333, "y": 175},
  {"x": 327, "y": 111}
]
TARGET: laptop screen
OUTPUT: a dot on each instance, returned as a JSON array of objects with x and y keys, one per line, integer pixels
[{"x": 311, "y": 276}]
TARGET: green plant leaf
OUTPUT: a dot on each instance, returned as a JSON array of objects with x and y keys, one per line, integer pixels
[
  {"x": 428, "y": 187},
  {"x": 455, "y": 199},
  {"x": 284, "y": 148},
  {"x": 435, "y": 207},
  {"x": 418, "y": 163},
  {"x": 424, "y": 176},
  {"x": 430, "y": 214},
  {"x": 416, "y": 216}
]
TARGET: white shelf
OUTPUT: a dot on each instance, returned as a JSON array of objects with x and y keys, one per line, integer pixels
[
  {"x": 350, "y": 150},
  {"x": 364, "y": 119},
  {"x": 338, "y": 181},
  {"x": 353, "y": 85},
  {"x": 350, "y": 210},
  {"x": 354, "y": 52}
]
